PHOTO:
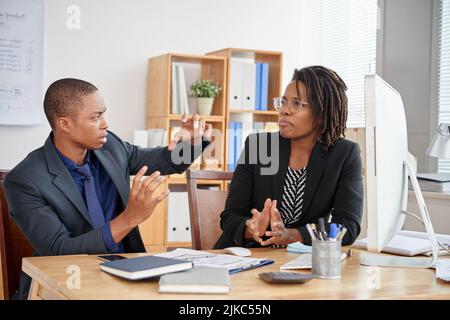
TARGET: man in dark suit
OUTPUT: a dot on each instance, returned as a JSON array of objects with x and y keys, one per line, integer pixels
[{"x": 72, "y": 195}]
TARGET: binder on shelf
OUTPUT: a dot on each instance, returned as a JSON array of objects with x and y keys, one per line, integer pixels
[
  {"x": 238, "y": 145},
  {"x": 173, "y": 131},
  {"x": 247, "y": 129},
  {"x": 178, "y": 221},
  {"x": 179, "y": 91},
  {"x": 258, "y": 86},
  {"x": 231, "y": 146},
  {"x": 235, "y": 91},
  {"x": 264, "y": 86},
  {"x": 183, "y": 91},
  {"x": 175, "y": 96},
  {"x": 156, "y": 138},
  {"x": 140, "y": 138},
  {"x": 248, "y": 86},
  {"x": 258, "y": 127}
]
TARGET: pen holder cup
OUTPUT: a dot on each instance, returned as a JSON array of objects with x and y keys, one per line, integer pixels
[{"x": 326, "y": 259}]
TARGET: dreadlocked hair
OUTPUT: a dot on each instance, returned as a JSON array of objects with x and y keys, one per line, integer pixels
[{"x": 327, "y": 100}]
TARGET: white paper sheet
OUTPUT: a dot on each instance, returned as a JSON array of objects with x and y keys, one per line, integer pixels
[
  {"x": 21, "y": 62},
  {"x": 201, "y": 258},
  {"x": 443, "y": 269}
]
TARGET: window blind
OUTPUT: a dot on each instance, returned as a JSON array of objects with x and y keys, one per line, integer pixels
[
  {"x": 343, "y": 38},
  {"x": 444, "y": 72}
]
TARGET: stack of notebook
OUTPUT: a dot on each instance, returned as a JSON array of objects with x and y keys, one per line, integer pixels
[{"x": 196, "y": 280}]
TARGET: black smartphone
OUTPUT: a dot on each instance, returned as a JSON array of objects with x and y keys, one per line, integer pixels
[{"x": 111, "y": 257}]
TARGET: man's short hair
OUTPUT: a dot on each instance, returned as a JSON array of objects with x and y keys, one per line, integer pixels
[{"x": 63, "y": 98}]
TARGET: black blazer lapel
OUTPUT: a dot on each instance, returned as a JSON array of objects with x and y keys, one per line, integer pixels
[
  {"x": 115, "y": 172},
  {"x": 63, "y": 180},
  {"x": 278, "y": 179},
  {"x": 316, "y": 164}
]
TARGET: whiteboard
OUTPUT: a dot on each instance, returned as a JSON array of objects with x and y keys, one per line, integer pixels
[{"x": 21, "y": 62}]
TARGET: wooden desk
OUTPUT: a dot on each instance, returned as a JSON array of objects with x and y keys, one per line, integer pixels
[{"x": 50, "y": 275}]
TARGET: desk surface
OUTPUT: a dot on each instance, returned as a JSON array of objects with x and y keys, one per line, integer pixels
[{"x": 50, "y": 276}]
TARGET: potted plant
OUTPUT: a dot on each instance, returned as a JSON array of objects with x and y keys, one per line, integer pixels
[{"x": 205, "y": 91}]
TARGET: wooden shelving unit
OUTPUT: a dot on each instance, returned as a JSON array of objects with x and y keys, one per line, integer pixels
[
  {"x": 215, "y": 66},
  {"x": 159, "y": 80},
  {"x": 275, "y": 61}
]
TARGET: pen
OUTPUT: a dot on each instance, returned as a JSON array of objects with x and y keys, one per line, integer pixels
[
  {"x": 316, "y": 232},
  {"x": 322, "y": 228},
  {"x": 342, "y": 234},
  {"x": 329, "y": 215},
  {"x": 311, "y": 232},
  {"x": 333, "y": 232}
]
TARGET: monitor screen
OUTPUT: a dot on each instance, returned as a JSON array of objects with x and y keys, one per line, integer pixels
[{"x": 387, "y": 149}]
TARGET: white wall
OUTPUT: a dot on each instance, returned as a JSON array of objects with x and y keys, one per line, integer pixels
[
  {"x": 117, "y": 37},
  {"x": 406, "y": 63}
]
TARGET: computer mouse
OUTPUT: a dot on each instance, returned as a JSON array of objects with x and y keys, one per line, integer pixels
[{"x": 239, "y": 251}]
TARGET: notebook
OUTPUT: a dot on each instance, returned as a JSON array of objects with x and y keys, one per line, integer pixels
[
  {"x": 196, "y": 280},
  {"x": 402, "y": 245},
  {"x": 144, "y": 267},
  {"x": 298, "y": 247},
  {"x": 303, "y": 261}
]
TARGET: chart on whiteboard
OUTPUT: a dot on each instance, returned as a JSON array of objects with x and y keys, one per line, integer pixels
[{"x": 21, "y": 62}]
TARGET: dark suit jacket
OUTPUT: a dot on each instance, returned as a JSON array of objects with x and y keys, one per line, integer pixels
[
  {"x": 334, "y": 181},
  {"x": 49, "y": 209}
]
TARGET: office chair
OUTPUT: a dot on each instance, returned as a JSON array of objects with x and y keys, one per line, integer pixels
[
  {"x": 205, "y": 207},
  {"x": 13, "y": 246}
]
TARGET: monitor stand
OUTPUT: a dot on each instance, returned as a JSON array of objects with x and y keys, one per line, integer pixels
[{"x": 384, "y": 260}]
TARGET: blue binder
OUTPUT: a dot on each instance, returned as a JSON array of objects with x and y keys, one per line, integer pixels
[
  {"x": 258, "y": 86},
  {"x": 231, "y": 146},
  {"x": 238, "y": 144},
  {"x": 264, "y": 86}
]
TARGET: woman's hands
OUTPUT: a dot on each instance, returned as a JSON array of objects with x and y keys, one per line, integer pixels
[
  {"x": 257, "y": 225},
  {"x": 279, "y": 234}
]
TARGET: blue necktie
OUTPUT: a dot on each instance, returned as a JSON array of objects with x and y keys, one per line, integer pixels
[{"x": 93, "y": 204}]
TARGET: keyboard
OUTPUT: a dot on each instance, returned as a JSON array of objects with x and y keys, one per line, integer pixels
[{"x": 303, "y": 261}]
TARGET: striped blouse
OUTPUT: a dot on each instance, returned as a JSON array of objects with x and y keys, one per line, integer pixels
[{"x": 292, "y": 201}]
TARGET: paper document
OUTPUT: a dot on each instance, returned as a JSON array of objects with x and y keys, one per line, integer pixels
[
  {"x": 409, "y": 243},
  {"x": 201, "y": 258},
  {"x": 443, "y": 269}
]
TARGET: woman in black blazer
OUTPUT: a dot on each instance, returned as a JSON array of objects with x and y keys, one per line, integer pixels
[{"x": 313, "y": 170}]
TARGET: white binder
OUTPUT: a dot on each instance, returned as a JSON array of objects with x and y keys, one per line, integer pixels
[
  {"x": 140, "y": 138},
  {"x": 175, "y": 96},
  {"x": 178, "y": 224},
  {"x": 248, "y": 85},
  {"x": 235, "y": 92},
  {"x": 157, "y": 138}
]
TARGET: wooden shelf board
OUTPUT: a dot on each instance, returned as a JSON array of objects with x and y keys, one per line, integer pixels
[
  {"x": 268, "y": 112},
  {"x": 177, "y": 244},
  {"x": 179, "y": 57},
  {"x": 247, "y": 50},
  {"x": 178, "y": 180},
  {"x": 206, "y": 118}
]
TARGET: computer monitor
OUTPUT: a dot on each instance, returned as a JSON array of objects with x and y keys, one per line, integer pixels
[{"x": 387, "y": 171}]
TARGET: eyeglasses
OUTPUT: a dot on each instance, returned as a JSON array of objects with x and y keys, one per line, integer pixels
[{"x": 294, "y": 106}]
